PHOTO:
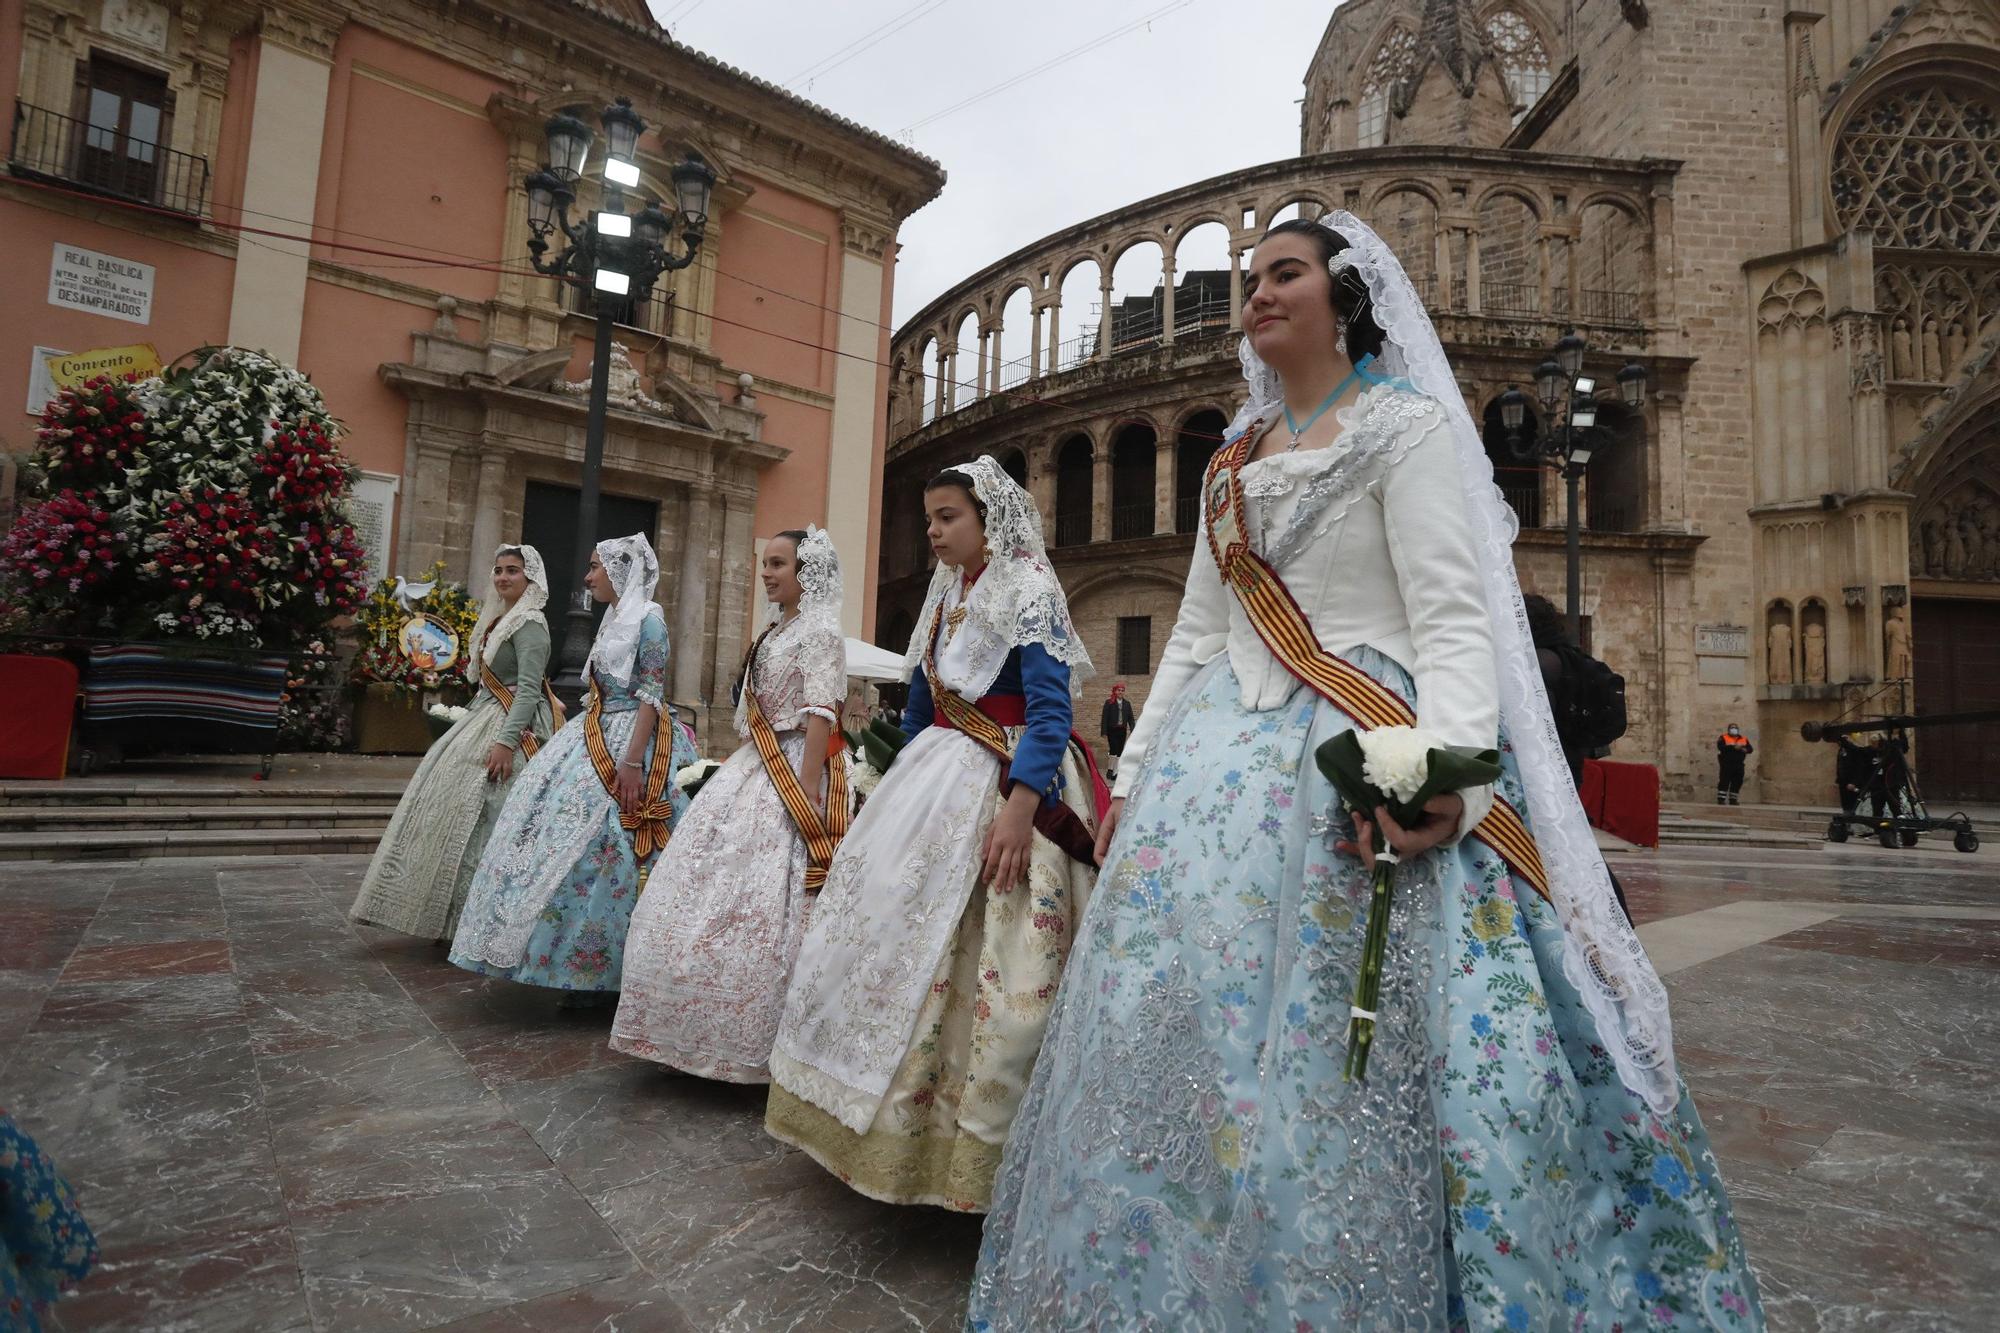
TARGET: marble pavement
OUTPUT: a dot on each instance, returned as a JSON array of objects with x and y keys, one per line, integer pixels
[{"x": 277, "y": 1121}]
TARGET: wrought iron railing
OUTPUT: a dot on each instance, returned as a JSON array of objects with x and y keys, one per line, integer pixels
[
  {"x": 1072, "y": 529},
  {"x": 1522, "y": 489},
  {"x": 655, "y": 314},
  {"x": 61, "y": 148},
  {"x": 1132, "y": 520},
  {"x": 1187, "y": 513}
]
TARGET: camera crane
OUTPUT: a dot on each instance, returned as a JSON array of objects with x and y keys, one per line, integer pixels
[{"x": 1907, "y": 817}]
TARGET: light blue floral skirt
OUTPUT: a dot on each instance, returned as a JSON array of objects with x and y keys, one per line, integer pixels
[
  {"x": 558, "y": 843},
  {"x": 1189, "y": 1156}
]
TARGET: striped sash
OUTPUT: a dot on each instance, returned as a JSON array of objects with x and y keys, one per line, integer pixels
[
  {"x": 1283, "y": 626},
  {"x": 652, "y": 823},
  {"x": 500, "y": 691},
  {"x": 1053, "y": 819},
  {"x": 822, "y": 836}
]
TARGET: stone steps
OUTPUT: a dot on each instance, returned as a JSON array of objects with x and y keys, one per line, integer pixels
[
  {"x": 131, "y": 843},
  {"x": 235, "y": 815},
  {"x": 98, "y": 793},
  {"x": 1677, "y": 830}
]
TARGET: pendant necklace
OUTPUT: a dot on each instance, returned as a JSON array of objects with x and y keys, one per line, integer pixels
[{"x": 1292, "y": 423}]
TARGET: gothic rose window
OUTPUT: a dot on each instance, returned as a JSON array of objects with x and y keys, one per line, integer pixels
[
  {"x": 1393, "y": 62},
  {"x": 1523, "y": 60},
  {"x": 1919, "y": 166}
]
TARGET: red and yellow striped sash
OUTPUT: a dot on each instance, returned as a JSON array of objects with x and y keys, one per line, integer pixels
[
  {"x": 1285, "y": 629},
  {"x": 652, "y": 823},
  {"x": 506, "y": 697},
  {"x": 822, "y": 836}
]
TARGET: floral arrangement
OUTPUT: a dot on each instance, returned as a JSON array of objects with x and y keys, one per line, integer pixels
[
  {"x": 313, "y": 718},
  {"x": 449, "y": 714},
  {"x": 1397, "y": 769},
  {"x": 382, "y": 617},
  {"x": 206, "y": 505},
  {"x": 691, "y": 779}
]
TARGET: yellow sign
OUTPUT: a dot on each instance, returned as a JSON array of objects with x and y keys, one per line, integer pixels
[{"x": 74, "y": 370}]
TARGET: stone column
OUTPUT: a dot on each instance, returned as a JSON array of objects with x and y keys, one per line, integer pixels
[
  {"x": 1167, "y": 298},
  {"x": 1100, "y": 493},
  {"x": 1543, "y": 274},
  {"x": 1055, "y": 335},
  {"x": 1668, "y": 482},
  {"x": 732, "y": 595},
  {"x": 1808, "y": 178},
  {"x": 1035, "y": 342},
  {"x": 691, "y": 591},
  {"x": 281, "y": 178},
  {"x": 1235, "y": 289},
  {"x": 1104, "y": 319},
  {"x": 1472, "y": 270},
  {"x": 949, "y": 364},
  {"x": 1042, "y": 485},
  {"x": 1163, "y": 484},
  {"x": 490, "y": 501}
]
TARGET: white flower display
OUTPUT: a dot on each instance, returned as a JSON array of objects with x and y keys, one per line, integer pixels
[
  {"x": 861, "y": 776},
  {"x": 1397, "y": 759},
  {"x": 695, "y": 772},
  {"x": 446, "y": 712}
]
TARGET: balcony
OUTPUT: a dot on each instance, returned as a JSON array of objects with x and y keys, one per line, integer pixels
[
  {"x": 51, "y": 147},
  {"x": 654, "y": 315}
]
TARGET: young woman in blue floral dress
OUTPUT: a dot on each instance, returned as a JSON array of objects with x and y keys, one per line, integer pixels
[
  {"x": 552, "y": 900},
  {"x": 1521, "y": 1153}
]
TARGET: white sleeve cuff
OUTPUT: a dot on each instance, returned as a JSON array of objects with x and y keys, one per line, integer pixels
[{"x": 1478, "y": 803}]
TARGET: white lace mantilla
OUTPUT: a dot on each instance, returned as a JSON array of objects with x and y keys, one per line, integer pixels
[{"x": 1602, "y": 956}]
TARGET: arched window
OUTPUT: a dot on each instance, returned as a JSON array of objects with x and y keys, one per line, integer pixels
[
  {"x": 1074, "y": 484},
  {"x": 1524, "y": 61},
  {"x": 1394, "y": 59},
  {"x": 1919, "y": 166}
]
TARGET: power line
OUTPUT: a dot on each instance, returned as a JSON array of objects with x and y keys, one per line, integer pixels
[
  {"x": 516, "y": 269},
  {"x": 834, "y": 60},
  {"x": 1049, "y": 64}
]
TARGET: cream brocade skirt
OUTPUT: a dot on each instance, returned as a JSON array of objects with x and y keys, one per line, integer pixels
[
  {"x": 417, "y": 880},
  {"x": 988, "y": 987}
]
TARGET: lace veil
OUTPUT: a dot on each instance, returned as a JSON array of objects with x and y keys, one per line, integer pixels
[
  {"x": 1017, "y": 601},
  {"x": 818, "y": 621},
  {"x": 634, "y": 572},
  {"x": 1602, "y": 956},
  {"x": 497, "y": 620}
]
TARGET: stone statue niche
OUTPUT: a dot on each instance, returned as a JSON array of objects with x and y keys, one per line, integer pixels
[
  {"x": 1895, "y": 645},
  {"x": 1812, "y": 642},
  {"x": 1778, "y": 664}
]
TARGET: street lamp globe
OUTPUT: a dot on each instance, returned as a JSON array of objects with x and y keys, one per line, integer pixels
[
  {"x": 1549, "y": 380},
  {"x": 547, "y": 193},
  {"x": 650, "y": 225},
  {"x": 1569, "y": 352},
  {"x": 1513, "y": 409},
  {"x": 569, "y": 144},
  {"x": 694, "y": 182},
  {"x": 622, "y": 128},
  {"x": 1632, "y": 384}
]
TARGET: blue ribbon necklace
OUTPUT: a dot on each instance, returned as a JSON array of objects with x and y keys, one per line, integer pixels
[{"x": 1291, "y": 422}]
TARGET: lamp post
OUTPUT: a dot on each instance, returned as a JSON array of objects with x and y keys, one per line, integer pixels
[
  {"x": 1569, "y": 403},
  {"x": 617, "y": 257}
]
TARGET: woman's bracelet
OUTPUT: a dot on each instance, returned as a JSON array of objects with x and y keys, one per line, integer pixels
[{"x": 630, "y": 763}]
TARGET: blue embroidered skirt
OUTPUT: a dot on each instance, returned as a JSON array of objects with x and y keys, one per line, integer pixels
[{"x": 1189, "y": 1156}]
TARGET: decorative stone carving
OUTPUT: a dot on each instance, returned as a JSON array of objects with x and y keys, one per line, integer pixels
[
  {"x": 1854, "y": 595},
  {"x": 1895, "y": 646},
  {"x": 1815, "y": 654},
  {"x": 1914, "y": 165},
  {"x": 1959, "y": 537},
  {"x": 623, "y": 389},
  {"x": 1778, "y": 657},
  {"x": 1791, "y": 301}
]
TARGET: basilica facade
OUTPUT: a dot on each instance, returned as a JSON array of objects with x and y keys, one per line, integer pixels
[{"x": 1789, "y": 217}]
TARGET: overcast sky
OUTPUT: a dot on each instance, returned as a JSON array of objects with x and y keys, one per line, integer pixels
[{"x": 1203, "y": 87}]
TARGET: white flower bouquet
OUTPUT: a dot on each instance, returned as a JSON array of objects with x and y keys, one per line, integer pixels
[
  {"x": 1397, "y": 769},
  {"x": 447, "y": 713},
  {"x": 691, "y": 779}
]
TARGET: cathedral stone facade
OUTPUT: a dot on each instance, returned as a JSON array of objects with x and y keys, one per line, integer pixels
[{"x": 1789, "y": 216}]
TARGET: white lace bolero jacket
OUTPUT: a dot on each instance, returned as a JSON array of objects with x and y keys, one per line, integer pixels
[{"x": 1370, "y": 535}]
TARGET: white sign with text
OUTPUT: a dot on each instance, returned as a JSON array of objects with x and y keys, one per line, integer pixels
[{"x": 101, "y": 284}]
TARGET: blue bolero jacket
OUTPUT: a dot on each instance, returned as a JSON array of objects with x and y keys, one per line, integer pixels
[{"x": 1029, "y": 671}]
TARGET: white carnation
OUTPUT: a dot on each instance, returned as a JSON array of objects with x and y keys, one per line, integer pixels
[
  {"x": 1396, "y": 760},
  {"x": 694, "y": 773}
]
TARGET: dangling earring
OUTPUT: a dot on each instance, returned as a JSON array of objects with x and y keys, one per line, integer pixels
[{"x": 1340, "y": 342}]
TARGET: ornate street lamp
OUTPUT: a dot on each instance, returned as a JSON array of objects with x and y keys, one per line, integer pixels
[
  {"x": 1569, "y": 401},
  {"x": 617, "y": 257}
]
